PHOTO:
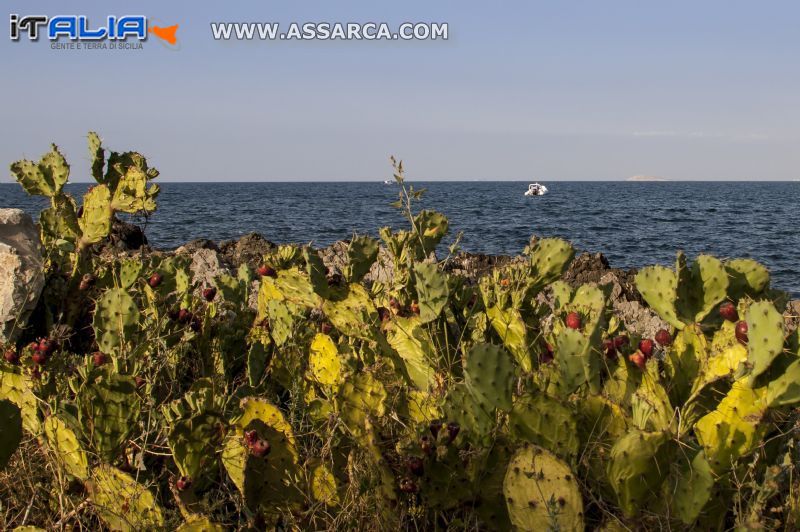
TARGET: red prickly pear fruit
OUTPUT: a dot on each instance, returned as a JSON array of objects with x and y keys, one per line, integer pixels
[
  {"x": 87, "y": 281},
  {"x": 184, "y": 315},
  {"x": 39, "y": 357},
  {"x": 155, "y": 280},
  {"x": 639, "y": 359},
  {"x": 663, "y": 337},
  {"x": 98, "y": 358},
  {"x": 573, "y": 320},
  {"x": 504, "y": 283},
  {"x": 384, "y": 314},
  {"x": 452, "y": 431},
  {"x": 408, "y": 486},
  {"x": 435, "y": 427},
  {"x": 209, "y": 293},
  {"x": 646, "y": 347},
  {"x": 415, "y": 465},
  {"x": 46, "y": 346},
  {"x": 195, "y": 324},
  {"x": 250, "y": 437},
  {"x": 414, "y": 307},
  {"x": 260, "y": 448},
  {"x": 547, "y": 355},
  {"x": 326, "y": 327},
  {"x": 728, "y": 311},
  {"x": 33, "y": 346},
  {"x": 266, "y": 271},
  {"x": 426, "y": 445},
  {"x": 183, "y": 483},
  {"x": 620, "y": 342},
  {"x": 36, "y": 374},
  {"x": 394, "y": 304},
  {"x": 11, "y": 356},
  {"x": 609, "y": 349},
  {"x": 139, "y": 381},
  {"x": 741, "y": 332}
]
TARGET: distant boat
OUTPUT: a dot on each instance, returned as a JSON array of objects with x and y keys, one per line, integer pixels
[
  {"x": 536, "y": 189},
  {"x": 389, "y": 182}
]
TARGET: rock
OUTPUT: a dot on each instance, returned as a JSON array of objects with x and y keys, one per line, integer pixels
[
  {"x": 125, "y": 236},
  {"x": 205, "y": 267},
  {"x": 195, "y": 245},
  {"x": 21, "y": 271},
  {"x": 473, "y": 266},
  {"x": 249, "y": 249},
  {"x": 792, "y": 315}
]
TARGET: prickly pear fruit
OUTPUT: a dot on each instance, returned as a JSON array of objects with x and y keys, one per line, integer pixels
[
  {"x": 414, "y": 308},
  {"x": 326, "y": 327},
  {"x": 573, "y": 320},
  {"x": 99, "y": 358},
  {"x": 435, "y": 427},
  {"x": 663, "y": 337},
  {"x": 47, "y": 346},
  {"x": 646, "y": 347},
  {"x": 452, "y": 431},
  {"x": 426, "y": 444},
  {"x": 408, "y": 486},
  {"x": 415, "y": 465},
  {"x": 638, "y": 359},
  {"x": 741, "y": 332},
  {"x": 620, "y": 342},
  {"x": 87, "y": 281},
  {"x": 266, "y": 271},
  {"x": 39, "y": 358},
  {"x": 728, "y": 311},
  {"x": 209, "y": 293},
  {"x": 11, "y": 356},
  {"x": 184, "y": 315},
  {"x": 260, "y": 448},
  {"x": 155, "y": 280},
  {"x": 183, "y": 483},
  {"x": 609, "y": 349}
]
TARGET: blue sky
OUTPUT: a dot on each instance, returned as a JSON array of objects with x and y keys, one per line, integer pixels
[{"x": 544, "y": 90}]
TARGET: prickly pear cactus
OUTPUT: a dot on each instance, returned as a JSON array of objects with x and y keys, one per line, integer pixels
[
  {"x": 489, "y": 376},
  {"x": 461, "y": 407},
  {"x": 323, "y": 486},
  {"x": 735, "y": 428},
  {"x": 360, "y": 397},
  {"x": 324, "y": 366},
  {"x": 547, "y": 422},
  {"x": 693, "y": 488},
  {"x": 746, "y": 278},
  {"x": 415, "y": 346},
  {"x": 765, "y": 336},
  {"x": 67, "y": 448},
  {"x": 659, "y": 287},
  {"x": 95, "y": 222},
  {"x": 18, "y": 388},
  {"x": 511, "y": 329},
  {"x": 361, "y": 254},
  {"x": 638, "y": 465},
  {"x": 116, "y": 318},
  {"x": 263, "y": 480},
  {"x": 577, "y": 361},
  {"x": 430, "y": 227},
  {"x": 11, "y": 435},
  {"x": 354, "y": 315},
  {"x": 121, "y": 502},
  {"x": 129, "y": 272},
  {"x": 200, "y": 524},
  {"x": 45, "y": 178},
  {"x": 108, "y": 411},
  {"x": 432, "y": 290},
  {"x": 541, "y": 492},
  {"x": 785, "y": 389},
  {"x": 550, "y": 258}
]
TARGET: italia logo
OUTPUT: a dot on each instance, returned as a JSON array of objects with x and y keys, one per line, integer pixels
[{"x": 78, "y": 28}]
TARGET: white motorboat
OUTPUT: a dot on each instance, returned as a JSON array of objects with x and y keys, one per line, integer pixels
[
  {"x": 389, "y": 182},
  {"x": 536, "y": 189}
]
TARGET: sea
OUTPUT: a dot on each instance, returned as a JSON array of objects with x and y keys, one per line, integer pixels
[{"x": 632, "y": 223}]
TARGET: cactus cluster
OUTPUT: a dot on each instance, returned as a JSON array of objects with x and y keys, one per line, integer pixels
[{"x": 425, "y": 401}]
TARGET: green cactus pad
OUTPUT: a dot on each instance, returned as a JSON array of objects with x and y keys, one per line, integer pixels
[
  {"x": 432, "y": 290},
  {"x": 95, "y": 222},
  {"x": 354, "y": 315},
  {"x": 129, "y": 272},
  {"x": 97, "y": 155},
  {"x": 415, "y": 346},
  {"x": 18, "y": 388},
  {"x": 577, "y": 362},
  {"x": 547, "y": 422},
  {"x": 746, "y": 278},
  {"x": 765, "y": 336},
  {"x": 510, "y": 327},
  {"x": 323, "y": 486},
  {"x": 638, "y": 464},
  {"x": 324, "y": 366},
  {"x": 45, "y": 178},
  {"x": 200, "y": 524},
  {"x": 489, "y": 376},
  {"x": 461, "y": 407},
  {"x": 116, "y": 317},
  {"x": 658, "y": 286},
  {"x": 693, "y": 489},
  {"x": 735, "y": 428},
  {"x": 541, "y": 492},
  {"x": 360, "y": 397},
  {"x": 700, "y": 287},
  {"x": 431, "y": 227},
  {"x": 785, "y": 390},
  {"x": 121, "y": 502},
  {"x": 361, "y": 255},
  {"x": 550, "y": 258},
  {"x": 108, "y": 412},
  {"x": 132, "y": 193},
  {"x": 11, "y": 435},
  {"x": 64, "y": 443},
  {"x": 317, "y": 272}
]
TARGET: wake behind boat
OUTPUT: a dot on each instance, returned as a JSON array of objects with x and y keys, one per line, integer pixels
[{"x": 536, "y": 189}]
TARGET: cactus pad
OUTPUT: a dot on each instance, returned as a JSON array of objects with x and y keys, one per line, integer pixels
[
  {"x": 116, "y": 317},
  {"x": 550, "y": 257},
  {"x": 415, "y": 346},
  {"x": 324, "y": 366},
  {"x": 638, "y": 464},
  {"x": 489, "y": 376},
  {"x": 541, "y": 492},
  {"x": 432, "y": 290},
  {"x": 46, "y": 178},
  {"x": 354, "y": 315},
  {"x": 765, "y": 336},
  {"x": 121, "y": 502},
  {"x": 658, "y": 286},
  {"x": 361, "y": 254},
  {"x": 746, "y": 278},
  {"x": 11, "y": 435},
  {"x": 63, "y": 441},
  {"x": 547, "y": 422}
]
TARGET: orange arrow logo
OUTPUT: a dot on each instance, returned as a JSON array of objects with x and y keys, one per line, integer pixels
[{"x": 165, "y": 34}]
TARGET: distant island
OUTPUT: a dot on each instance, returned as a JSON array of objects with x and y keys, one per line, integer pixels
[{"x": 645, "y": 178}]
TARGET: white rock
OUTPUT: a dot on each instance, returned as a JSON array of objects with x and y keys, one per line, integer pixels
[{"x": 21, "y": 271}]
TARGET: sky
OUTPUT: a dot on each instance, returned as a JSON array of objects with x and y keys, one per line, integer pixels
[{"x": 535, "y": 90}]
